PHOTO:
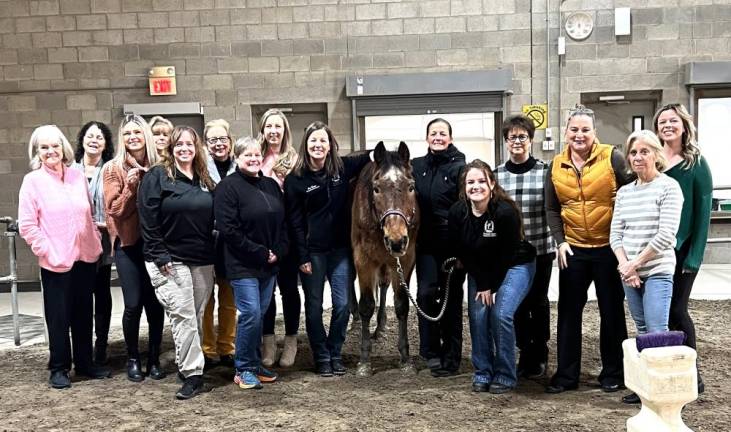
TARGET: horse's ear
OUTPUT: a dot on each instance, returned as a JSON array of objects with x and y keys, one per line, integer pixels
[
  {"x": 403, "y": 151},
  {"x": 380, "y": 152}
]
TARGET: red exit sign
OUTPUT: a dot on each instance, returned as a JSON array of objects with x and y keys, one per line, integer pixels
[{"x": 162, "y": 81}]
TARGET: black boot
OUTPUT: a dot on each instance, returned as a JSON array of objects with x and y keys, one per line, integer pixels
[
  {"x": 134, "y": 370},
  {"x": 153, "y": 365}
]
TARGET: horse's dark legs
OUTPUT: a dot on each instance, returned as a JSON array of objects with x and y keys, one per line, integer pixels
[
  {"x": 401, "y": 301},
  {"x": 381, "y": 317},
  {"x": 366, "y": 307}
]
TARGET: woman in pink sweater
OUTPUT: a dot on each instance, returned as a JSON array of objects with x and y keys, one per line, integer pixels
[{"x": 55, "y": 218}]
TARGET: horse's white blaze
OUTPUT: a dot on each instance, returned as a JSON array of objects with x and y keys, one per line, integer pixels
[{"x": 393, "y": 174}]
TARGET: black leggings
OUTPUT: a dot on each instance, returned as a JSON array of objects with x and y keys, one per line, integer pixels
[
  {"x": 682, "y": 285},
  {"x": 533, "y": 317},
  {"x": 138, "y": 293},
  {"x": 102, "y": 304},
  {"x": 291, "y": 302}
]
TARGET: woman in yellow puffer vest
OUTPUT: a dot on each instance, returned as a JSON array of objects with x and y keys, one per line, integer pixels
[{"x": 581, "y": 184}]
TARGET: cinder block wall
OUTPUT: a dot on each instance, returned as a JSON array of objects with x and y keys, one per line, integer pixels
[{"x": 66, "y": 62}]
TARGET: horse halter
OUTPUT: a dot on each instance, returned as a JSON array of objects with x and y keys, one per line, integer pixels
[{"x": 397, "y": 212}]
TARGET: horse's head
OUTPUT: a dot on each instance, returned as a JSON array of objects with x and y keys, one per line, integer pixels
[{"x": 394, "y": 197}]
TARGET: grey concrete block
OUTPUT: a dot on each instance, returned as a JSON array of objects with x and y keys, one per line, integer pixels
[
  {"x": 424, "y": 26},
  {"x": 680, "y": 47},
  {"x": 66, "y": 118},
  {"x": 217, "y": 82},
  {"x": 138, "y": 68},
  {"x": 434, "y": 8},
  {"x": 45, "y": 7},
  {"x": 77, "y": 70},
  {"x": 357, "y": 28},
  {"x": 614, "y": 67},
  {"x": 292, "y": 31},
  {"x": 75, "y": 7},
  {"x": 215, "y": 17},
  {"x": 124, "y": 21},
  {"x": 279, "y": 15},
  {"x": 516, "y": 21},
  {"x": 47, "y": 40},
  {"x": 453, "y": 57},
  {"x": 225, "y": 97},
  {"x": 167, "y": 5},
  {"x": 198, "y": 4},
  {"x": 169, "y": 35},
  {"x": 200, "y": 34},
  {"x": 264, "y": 64},
  {"x": 605, "y": 51},
  {"x": 358, "y": 61},
  {"x": 336, "y": 46},
  {"x": 154, "y": 52},
  {"x": 710, "y": 13},
  {"x": 246, "y": 16},
  {"x": 499, "y": 6},
  {"x": 450, "y": 24},
  {"x": 710, "y": 46},
  {"x": 370, "y": 11},
  {"x": 60, "y": 23},
  {"x": 201, "y": 66},
  {"x": 402, "y": 10},
  {"x": 663, "y": 65},
  {"x": 19, "y": 103},
  {"x": 260, "y": 32},
  {"x": 136, "y": 5},
  {"x": 663, "y": 32},
  {"x": 420, "y": 59},
  {"x": 515, "y": 54},
  {"x": 47, "y": 71},
  {"x": 387, "y": 27},
  {"x": 153, "y": 20},
  {"x": 246, "y": 49},
  {"x": 468, "y": 40},
  {"x": 18, "y": 41},
  {"x": 35, "y": 118},
  {"x": 91, "y": 22},
  {"x": 139, "y": 36},
  {"x": 8, "y": 56},
  {"x": 324, "y": 30},
  {"x": 388, "y": 60},
  {"x": 184, "y": 50},
  {"x": 435, "y": 42},
  {"x": 308, "y": 46},
  {"x": 294, "y": 63},
  {"x": 245, "y": 81},
  {"x": 7, "y": 26},
  {"x": 483, "y": 23},
  {"x": 233, "y": 65},
  {"x": 339, "y": 13},
  {"x": 107, "y": 37},
  {"x": 215, "y": 49},
  {"x": 106, "y": 6},
  {"x": 81, "y": 102},
  {"x": 308, "y": 14},
  {"x": 466, "y": 7},
  {"x": 186, "y": 19},
  {"x": 325, "y": 62},
  {"x": 30, "y": 25},
  {"x": 276, "y": 48},
  {"x": 230, "y": 4},
  {"x": 124, "y": 53},
  {"x": 33, "y": 56}
]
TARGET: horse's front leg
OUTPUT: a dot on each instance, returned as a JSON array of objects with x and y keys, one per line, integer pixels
[
  {"x": 401, "y": 301},
  {"x": 366, "y": 306},
  {"x": 381, "y": 317}
]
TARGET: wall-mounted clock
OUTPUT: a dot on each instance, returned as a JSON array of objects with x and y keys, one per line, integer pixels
[{"x": 579, "y": 25}]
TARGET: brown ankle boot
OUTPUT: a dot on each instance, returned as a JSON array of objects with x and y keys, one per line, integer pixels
[{"x": 269, "y": 351}]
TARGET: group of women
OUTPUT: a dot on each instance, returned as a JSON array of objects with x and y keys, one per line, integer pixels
[{"x": 179, "y": 218}]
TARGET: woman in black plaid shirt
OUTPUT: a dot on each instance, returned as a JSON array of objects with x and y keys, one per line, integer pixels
[{"x": 522, "y": 177}]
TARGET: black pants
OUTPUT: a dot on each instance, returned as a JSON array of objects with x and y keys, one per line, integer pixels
[
  {"x": 533, "y": 317},
  {"x": 682, "y": 285},
  {"x": 138, "y": 293},
  {"x": 102, "y": 304},
  {"x": 443, "y": 339},
  {"x": 67, "y": 303},
  {"x": 291, "y": 302},
  {"x": 600, "y": 266}
]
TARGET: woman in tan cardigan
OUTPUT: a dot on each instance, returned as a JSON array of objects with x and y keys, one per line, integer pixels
[{"x": 122, "y": 175}]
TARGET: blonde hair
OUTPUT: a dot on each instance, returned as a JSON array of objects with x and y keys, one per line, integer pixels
[
  {"x": 688, "y": 147},
  {"x": 53, "y": 132},
  {"x": 651, "y": 140},
  {"x": 222, "y": 124},
  {"x": 160, "y": 120},
  {"x": 243, "y": 143},
  {"x": 150, "y": 149},
  {"x": 287, "y": 157}
]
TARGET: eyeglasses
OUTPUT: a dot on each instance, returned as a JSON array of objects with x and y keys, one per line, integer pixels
[
  {"x": 518, "y": 138},
  {"x": 214, "y": 140}
]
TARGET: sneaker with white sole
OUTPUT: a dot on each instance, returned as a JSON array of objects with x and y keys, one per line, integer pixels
[
  {"x": 247, "y": 380},
  {"x": 265, "y": 375}
]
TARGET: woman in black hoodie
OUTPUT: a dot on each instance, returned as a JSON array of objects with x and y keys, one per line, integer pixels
[
  {"x": 318, "y": 212},
  {"x": 250, "y": 218},
  {"x": 437, "y": 175}
]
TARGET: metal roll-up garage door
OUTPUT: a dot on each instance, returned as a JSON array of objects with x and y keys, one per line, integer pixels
[{"x": 421, "y": 104}]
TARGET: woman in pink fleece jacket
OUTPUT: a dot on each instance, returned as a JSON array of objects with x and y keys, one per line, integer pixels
[{"x": 55, "y": 218}]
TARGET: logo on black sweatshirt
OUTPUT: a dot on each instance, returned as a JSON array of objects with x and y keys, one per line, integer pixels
[
  {"x": 489, "y": 229},
  {"x": 312, "y": 188}
]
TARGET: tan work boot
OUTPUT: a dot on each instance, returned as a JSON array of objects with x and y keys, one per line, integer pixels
[
  {"x": 269, "y": 351},
  {"x": 289, "y": 352}
]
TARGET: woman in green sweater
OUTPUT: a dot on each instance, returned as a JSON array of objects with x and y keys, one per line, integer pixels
[{"x": 674, "y": 126}]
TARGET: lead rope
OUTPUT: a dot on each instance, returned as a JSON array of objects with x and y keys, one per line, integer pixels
[{"x": 405, "y": 286}]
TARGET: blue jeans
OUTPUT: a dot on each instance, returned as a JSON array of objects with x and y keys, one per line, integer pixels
[
  {"x": 336, "y": 266},
  {"x": 492, "y": 329},
  {"x": 650, "y": 303},
  {"x": 252, "y": 297}
]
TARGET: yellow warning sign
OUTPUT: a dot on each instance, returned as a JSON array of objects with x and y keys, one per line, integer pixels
[{"x": 537, "y": 113}]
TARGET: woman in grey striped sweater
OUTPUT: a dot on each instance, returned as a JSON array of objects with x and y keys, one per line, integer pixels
[{"x": 646, "y": 218}]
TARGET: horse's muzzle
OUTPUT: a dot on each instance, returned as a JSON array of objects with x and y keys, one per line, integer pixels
[{"x": 396, "y": 248}]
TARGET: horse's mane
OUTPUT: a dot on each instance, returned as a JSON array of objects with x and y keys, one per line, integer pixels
[{"x": 390, "y": 159}]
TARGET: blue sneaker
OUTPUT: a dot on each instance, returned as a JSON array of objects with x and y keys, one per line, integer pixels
[
  {"x": 265, "y": 375},
  {"x": 480, "y": 383},
  {"x": 247, "y": 380}
]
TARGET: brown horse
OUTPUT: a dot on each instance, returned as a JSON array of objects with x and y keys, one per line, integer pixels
[{"x": 385, "y": 223}]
